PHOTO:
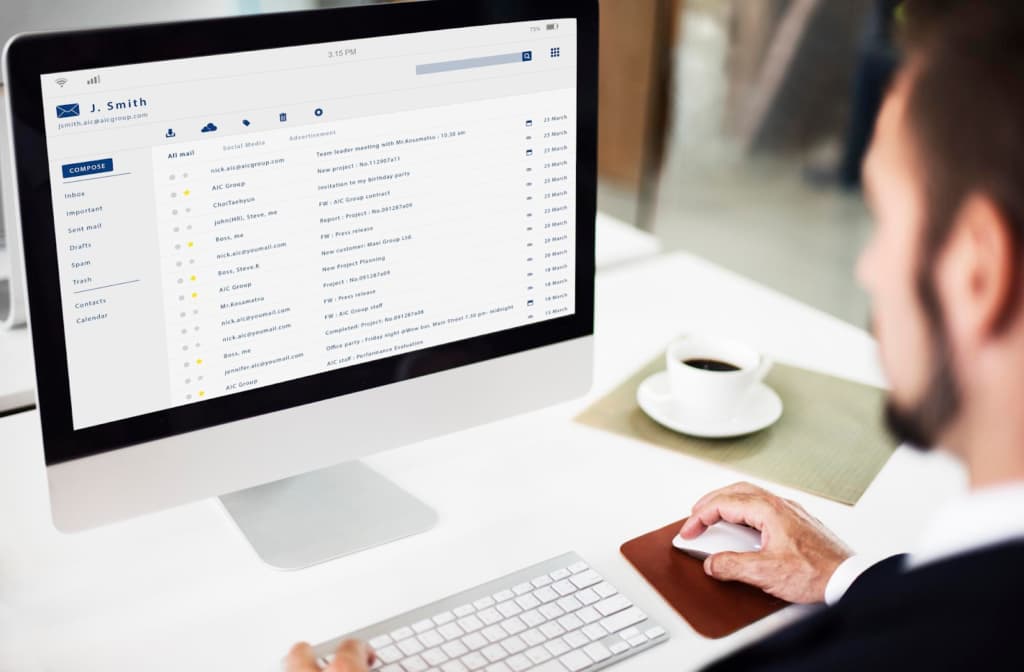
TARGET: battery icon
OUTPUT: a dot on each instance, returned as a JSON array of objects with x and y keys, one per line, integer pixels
[{"x": 552, "y": 26}]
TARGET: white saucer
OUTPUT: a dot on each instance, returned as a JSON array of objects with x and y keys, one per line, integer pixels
[{"x": 761, "y": 409}]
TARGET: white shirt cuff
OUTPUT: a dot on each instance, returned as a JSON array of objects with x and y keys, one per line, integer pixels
[{"x": 846, "y": 573}]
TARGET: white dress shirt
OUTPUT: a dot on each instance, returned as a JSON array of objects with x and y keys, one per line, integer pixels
[{"x": 973, "y": 521}]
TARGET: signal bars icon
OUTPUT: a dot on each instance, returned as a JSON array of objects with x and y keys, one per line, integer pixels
[{"x": 92, "y": 81}]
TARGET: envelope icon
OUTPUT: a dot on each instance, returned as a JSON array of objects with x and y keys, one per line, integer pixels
[{"x": 69, "y": 110}]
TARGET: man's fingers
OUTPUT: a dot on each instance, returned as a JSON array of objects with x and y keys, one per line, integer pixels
[
  {"x": 352, "y": 656},
  {"x": 695, "y": 525},
  {"x": 742, "y": 509},
  {"x": 743, "y": 567},
  {"x": 301, "y": 659}
]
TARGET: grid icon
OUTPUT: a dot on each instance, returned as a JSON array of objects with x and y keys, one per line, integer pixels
[{"x": 556, "y": 52}]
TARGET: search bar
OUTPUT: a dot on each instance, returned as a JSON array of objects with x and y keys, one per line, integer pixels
[{"x": 469, "y": 63}]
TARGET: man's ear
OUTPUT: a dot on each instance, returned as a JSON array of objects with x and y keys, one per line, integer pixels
[{"x": 977, "y": 272}]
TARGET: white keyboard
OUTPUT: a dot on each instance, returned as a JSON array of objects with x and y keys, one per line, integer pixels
[{"x": 556, "y": 616}]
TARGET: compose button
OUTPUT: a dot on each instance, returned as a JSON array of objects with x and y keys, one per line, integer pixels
[{"x": 87, "y": 168}]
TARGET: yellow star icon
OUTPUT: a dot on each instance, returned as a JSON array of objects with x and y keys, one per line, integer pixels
[
  {"x": 186, "y": 192},
  {"x": 199, "y": 362}
]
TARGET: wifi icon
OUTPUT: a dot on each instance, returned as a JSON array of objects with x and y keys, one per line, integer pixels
[{"x": 61, "y": 81}]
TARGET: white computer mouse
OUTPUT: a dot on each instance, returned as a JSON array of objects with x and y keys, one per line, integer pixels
[{"x": 721, "y": 537}]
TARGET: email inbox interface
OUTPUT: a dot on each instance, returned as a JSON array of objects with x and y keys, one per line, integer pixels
[{"x": 226, "y": 223}]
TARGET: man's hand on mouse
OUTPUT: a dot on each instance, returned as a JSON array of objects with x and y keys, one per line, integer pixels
[
  {"x": 351, "y": 656},
  {"x": 798, "y": 554}
]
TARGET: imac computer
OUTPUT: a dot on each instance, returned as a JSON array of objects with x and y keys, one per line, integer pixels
[{"x": 258, "y": 249}]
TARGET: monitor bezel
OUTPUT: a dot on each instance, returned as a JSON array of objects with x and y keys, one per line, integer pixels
[{"x": 29, "y": 57}]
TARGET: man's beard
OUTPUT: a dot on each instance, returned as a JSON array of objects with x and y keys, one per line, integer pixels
[{"x": 921, "y": 425}]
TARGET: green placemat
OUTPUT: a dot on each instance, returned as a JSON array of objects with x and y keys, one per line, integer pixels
[{"x": 830, "y": 441}]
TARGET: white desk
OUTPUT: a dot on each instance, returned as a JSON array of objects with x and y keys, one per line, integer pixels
[
  {"x": 17, "y": 371},
  {"x": 618, "y": 243},
  {"x": 181, "y": 590}
]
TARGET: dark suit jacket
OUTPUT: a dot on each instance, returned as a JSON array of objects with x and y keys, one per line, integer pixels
[{"x": 964, "y": 613}]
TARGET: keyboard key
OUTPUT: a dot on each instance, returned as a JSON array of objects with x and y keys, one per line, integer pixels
[
  {"x": 503, "y": 595},
  {"x": 527, "y": 601},
  {"x": 557, "y": 647},
  {"x": 538, "y": 655},
  {"x": 420, "y": 627},
  {"x": 513, "y": 626},
  {"x": 569, "y": 603},
  {"x": 463, "y": 611},
  {"x": 618, "y": 646},
  {"x": 629, "y": 632},
  {"x": 578, "y": 567},
  {"x": 410, "y": 646},
  {"x": 594, "y": 631},
  {"x": 519, "y": 662},
  {"x": 380, "y": 641},
  {"x": 605, "y": 589},
  {"x": 498, "y": 667},
  {"x": 450, "y": 631},
  {"x": 454, "y": 666},
  {"x": 585, "y": 579},
  {"x": 550, "y": 666},
  {"x": 389, "y": 654},
  {"x": 655, "y": 632},
  {"x": 550, "y": 611},
  {"x": 552, "y": 630},
  {"x": 612, "y": 605},
  {"x": 576, "y": 639},
  {"x": 559, "y": 574},
  {"x": 533, "y": 637},
  {"x": 431, "y": 639},
  {"x": 401, "y": 633},
  {"x": 490, "y": 616},
  {"x": 474, "y": 641},
  {"x": 455, "y": 649},
  {"x": 545, "y": 594},
  {"x": 564, "y": 587},
  {"x": 494, "y": 633},
  {"x": 514, "y": 644},
  {"x": 588, "y": 614},
  {"x": 541, "y": 581},
  {"x": 483, "y": 603},
  {"x": 435, "y": 656},
  {"x": 623, "y": 619},
  {"x": 597, "y": 652},
  {"x": 576, "y": 661},
  {"x": 474, "y": 661},
  {"x": 587, "y": 596},
  {"x": 522, "y": 588},
  {"x": 570, "y": 622},
  {"x": 393, "y": 667},
  {"x": 494, "y": 653},
  {"x": 470, "y": 623},
  {"x": 414, "y": 664},
  {"x": 509, "y": 609},
  {"x": 532, "y": 618},
  {"x": 638, "y": 640},
  {"x": 444, "y": 617}
]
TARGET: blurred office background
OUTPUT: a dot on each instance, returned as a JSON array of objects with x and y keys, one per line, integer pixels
[{"x": 724, "y": 123}]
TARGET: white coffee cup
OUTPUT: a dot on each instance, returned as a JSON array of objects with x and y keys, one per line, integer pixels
[{"x": 713, "y": 394}]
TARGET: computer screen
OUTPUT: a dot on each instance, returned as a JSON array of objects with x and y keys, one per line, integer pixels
[{"x": 226, "y": 223}]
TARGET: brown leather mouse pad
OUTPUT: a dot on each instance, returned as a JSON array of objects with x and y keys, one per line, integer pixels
[{"x": 713, "y": 608}]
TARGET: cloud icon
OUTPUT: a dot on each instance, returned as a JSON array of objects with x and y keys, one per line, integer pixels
[{"x": 209, "y": 128}]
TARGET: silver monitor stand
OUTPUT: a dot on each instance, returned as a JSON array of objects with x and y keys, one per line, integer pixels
[{"x": 302, "y": 521}]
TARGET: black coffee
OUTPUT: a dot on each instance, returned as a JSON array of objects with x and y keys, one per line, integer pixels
[{"x": 710, "y": 365}]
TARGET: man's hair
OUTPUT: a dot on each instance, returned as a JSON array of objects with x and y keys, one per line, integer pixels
[
  {"x": 965, "y": 115},
  {"x": 965, "y": 110}
]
